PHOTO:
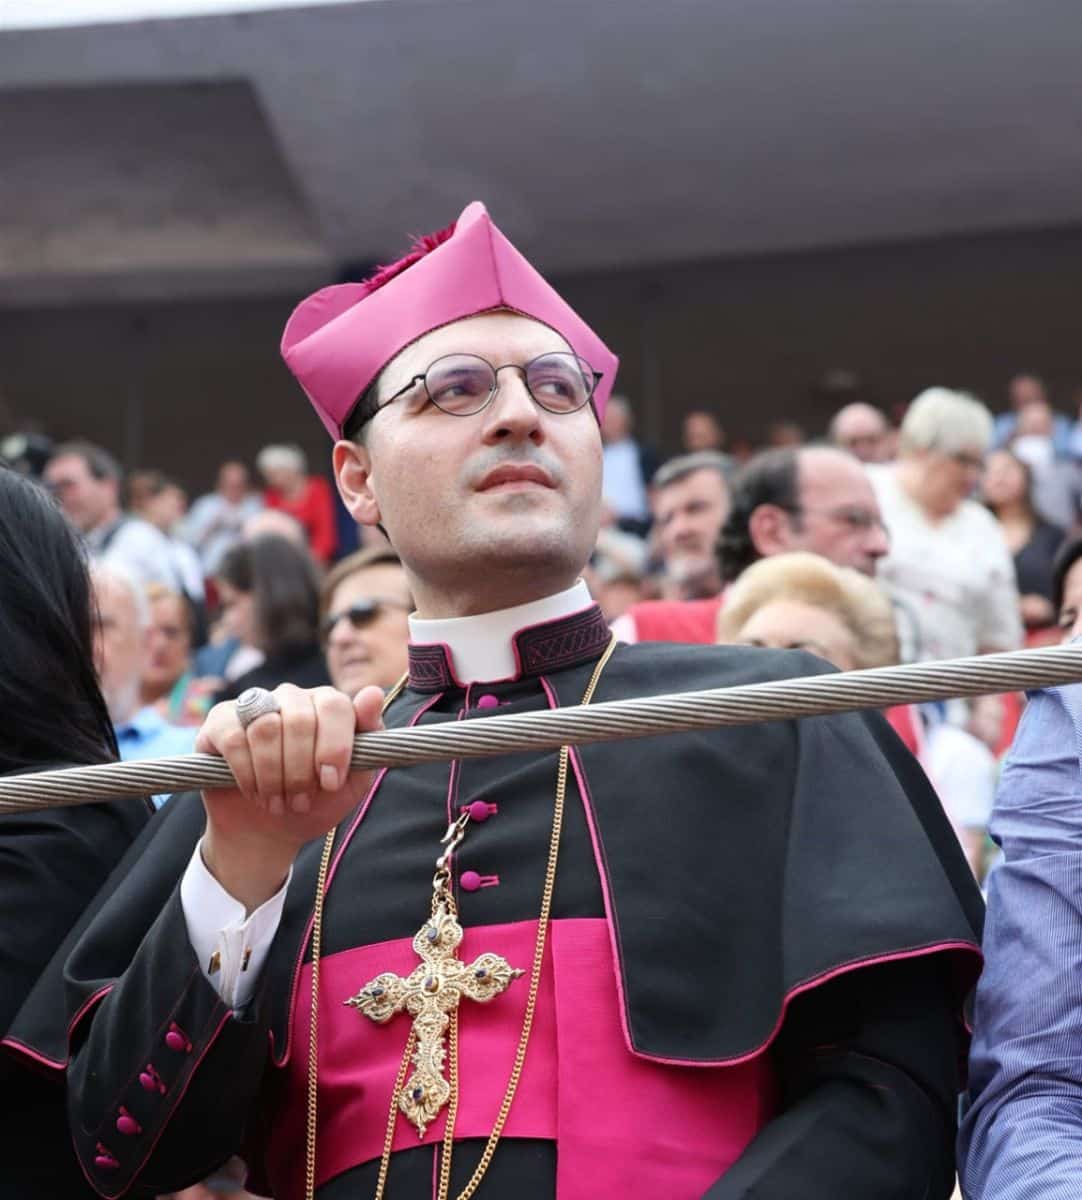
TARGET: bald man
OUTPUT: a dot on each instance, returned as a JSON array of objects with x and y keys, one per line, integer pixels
[{"x": 863, "y": 431}]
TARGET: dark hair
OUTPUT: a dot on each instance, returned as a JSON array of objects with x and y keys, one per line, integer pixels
[
  {"x": 100, "y": 463},
  {"x": 1066, "y": 557},
  {"x": 1027, "y": 472},
  {"x": 55, "y": 712},
  {"x": 374, "y": 556},
  {"x": 771, "y": 477},
  {"x": 362, "y": 412},
  {"x": 281, "y": 577}
]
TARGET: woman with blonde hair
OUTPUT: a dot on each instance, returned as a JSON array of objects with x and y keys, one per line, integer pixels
[{"x": 802, "y": 601}]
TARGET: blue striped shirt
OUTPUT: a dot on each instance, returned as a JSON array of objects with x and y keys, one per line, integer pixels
[{"x": 1022, "y": 1136}]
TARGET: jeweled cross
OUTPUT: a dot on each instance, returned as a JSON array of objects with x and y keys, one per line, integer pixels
[{"x": 430, "y": 993}]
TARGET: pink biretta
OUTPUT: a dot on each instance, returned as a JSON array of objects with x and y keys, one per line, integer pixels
[{"x": 340, "y": 338}]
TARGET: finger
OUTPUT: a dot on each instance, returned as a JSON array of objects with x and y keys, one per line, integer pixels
[
  {"x": 368, "y": 707},
  {"x": 299, "y": 772},
  {"x": 335, "y": 725},
  {"x": 264, "y": 738},
  {"x": 221, "y": 734}
]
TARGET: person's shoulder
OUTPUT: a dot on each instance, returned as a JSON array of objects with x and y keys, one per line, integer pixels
[
  {"x": 139, "y": 532},
  {"x": 982, "y": 524},
  {"x": 679, "y": 667}
]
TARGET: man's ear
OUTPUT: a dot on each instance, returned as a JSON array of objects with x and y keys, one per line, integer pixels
[
  {"x": 769, "y": 529},
  {"x": 352, "y": 473}
]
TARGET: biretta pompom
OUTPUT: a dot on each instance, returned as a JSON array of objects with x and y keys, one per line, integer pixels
[{"x": 339, "y": 339}]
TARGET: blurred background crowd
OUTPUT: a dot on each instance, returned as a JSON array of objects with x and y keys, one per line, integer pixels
[
  {"x": 832, "y": 242},
  {"x": 941, "y": 531}
]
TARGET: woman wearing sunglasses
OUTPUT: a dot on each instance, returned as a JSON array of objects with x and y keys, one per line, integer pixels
[{"x": 365, "y": 602}]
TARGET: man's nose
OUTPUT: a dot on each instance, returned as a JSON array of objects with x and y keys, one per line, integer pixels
[
  {"x": 513, "y": 414},
  {"x": 878, "y": 543}
]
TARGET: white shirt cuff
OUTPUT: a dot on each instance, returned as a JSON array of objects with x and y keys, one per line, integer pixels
[{"x": 230, "y": 948}]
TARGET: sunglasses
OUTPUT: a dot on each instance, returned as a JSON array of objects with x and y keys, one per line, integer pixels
[{"x": 361, "y": 614}]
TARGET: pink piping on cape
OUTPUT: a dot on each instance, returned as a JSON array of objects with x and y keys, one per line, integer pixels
[
  {"x": 805, "y": 986},
  {"x": 97, "y": 1184},
  {"x": 449, "y": 656},
  {"x": 330, "y": 876}
]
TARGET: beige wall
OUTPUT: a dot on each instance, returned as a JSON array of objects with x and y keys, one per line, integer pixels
[{"x": 181, "y": 386}]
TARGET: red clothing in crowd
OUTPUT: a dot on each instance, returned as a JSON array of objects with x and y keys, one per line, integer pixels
[
  {"x": 314, "y": 509},
  {"x": 697, "y": 621},
  {"x": 676, "y": 620}
]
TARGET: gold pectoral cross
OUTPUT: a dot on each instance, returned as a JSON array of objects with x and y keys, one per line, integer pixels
[{"x": 432, "y": 993}]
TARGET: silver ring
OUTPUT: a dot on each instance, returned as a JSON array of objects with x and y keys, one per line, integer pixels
[{"x": 254, "y": 703}]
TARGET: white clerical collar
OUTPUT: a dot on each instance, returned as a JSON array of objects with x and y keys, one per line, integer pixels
[{"x": 481, "y": 648}]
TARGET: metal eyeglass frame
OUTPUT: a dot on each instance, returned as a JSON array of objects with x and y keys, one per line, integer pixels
[{"x": 591, "y": 377}]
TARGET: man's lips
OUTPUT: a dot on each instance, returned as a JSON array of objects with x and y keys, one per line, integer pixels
[{"x": 514, "y": 475}]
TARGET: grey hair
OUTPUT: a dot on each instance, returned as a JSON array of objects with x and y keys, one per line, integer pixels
[
  {"x": 686, "y": 464},
  {"x": 948, "y": 421},
  {"x": 290, "y": 457},
  {"x": 112, "y": 572}
]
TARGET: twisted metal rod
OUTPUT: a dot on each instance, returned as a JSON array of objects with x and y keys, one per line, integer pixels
[{"x": 747, "y": 704}]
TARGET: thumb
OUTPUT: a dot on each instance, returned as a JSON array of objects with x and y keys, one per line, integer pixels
[{"x": 368, "y": 707}]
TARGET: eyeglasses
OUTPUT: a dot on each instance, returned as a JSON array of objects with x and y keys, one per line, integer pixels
[
  {"x": 360, "y": 614},
  {"x": 463, "y": 384},
  {"x": 860, "y": 520}
]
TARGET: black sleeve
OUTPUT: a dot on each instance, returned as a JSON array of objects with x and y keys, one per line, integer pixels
[
  {"x": 868, "y": 1066},
  {"x": 163, "y": 1075},
  {"x": 52, "y": 864}
]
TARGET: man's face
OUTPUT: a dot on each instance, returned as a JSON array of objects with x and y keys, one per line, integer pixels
[
  {"x": 1026, "y": 389},
  {"x": 701, "y": 432},
  {"x": 369, "y": 628},
  {"x": 1070, "y": 610},
  {"x": 863, "y": 433},
  {"x": 690, "y": 514},
  {"x": 617, "y": 422},
  {"x": 233, "y": 481},
  {"x": 120, "y": 647},
  {"x": 86, "y": 501},
  {"x": 505, "y": 500},
  {"x": 839, "y": 515},
  {"x": 168, "y": 643}
]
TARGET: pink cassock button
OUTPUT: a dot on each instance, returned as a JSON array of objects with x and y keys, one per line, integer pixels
[
  {"x": 106, "y": 1162},
  {"x": 479, "y": 811},
  {"x": 128, "y": 1126},
  {"x": 470, "y": 881},
  {"x": 488, "y": 701},
  {"x": 175, "y": 1041}
]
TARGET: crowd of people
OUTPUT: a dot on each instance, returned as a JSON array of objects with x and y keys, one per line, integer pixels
[{"x": 950, "y": 533}]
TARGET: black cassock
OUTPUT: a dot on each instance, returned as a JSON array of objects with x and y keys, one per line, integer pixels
[
  {"x": 51, "y": 866},
  {"x": 787, "y": 919}
]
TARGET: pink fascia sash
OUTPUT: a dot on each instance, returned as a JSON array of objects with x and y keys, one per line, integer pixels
[{"x": 623, "y": 1126}]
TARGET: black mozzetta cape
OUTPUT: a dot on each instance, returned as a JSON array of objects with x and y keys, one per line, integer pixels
[{"x": 792, "y": 887}]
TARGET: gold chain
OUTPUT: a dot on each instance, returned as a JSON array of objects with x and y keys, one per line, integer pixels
[
  {"x": 313, "y": 1024},
  {"x": 527, "y": 1021}
]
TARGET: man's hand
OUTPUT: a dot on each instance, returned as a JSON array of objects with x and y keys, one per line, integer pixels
[{"x": 293, "y": 783}]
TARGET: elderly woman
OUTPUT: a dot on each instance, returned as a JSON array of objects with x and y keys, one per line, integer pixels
[
  {"x": 307, "y": 498},
  {"x": 949, "y": 566},
  {"x": 804, "y": 602},
  {"x": 365, "y": 604}
]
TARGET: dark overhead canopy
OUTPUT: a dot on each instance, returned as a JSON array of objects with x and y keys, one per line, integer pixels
[{"x": 600, "y": 133}]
